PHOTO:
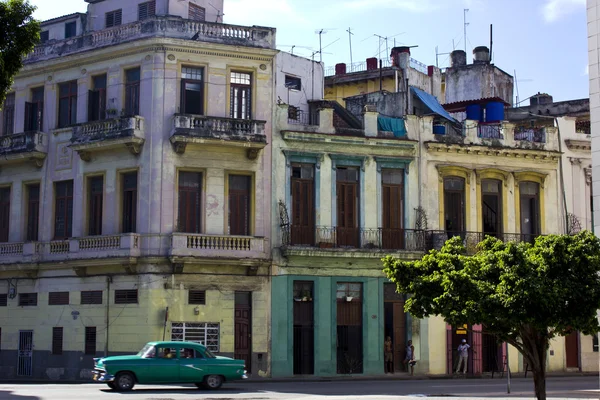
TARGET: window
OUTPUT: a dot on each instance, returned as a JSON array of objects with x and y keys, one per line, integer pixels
[
  {"x": 95, "y": 200},
  {"x": 67, "y": 104},
  {"x": 303, "y": 204},
  {"x": 529, "y": 193},
  {"x": 91, "y": 297},
  {"x": 190, "y": 202},
  {"x": 8, "y": 113},
  {"x": 196, "y": 13},
  {"x": 63, "y": 209},
  {"x": 239, "y": 205},
  {"x": 57, "y": 340},
  {"x": 349, "y": 291},
  {"x": 303, "y": 290},
  {"x": 491, "y": 206},
  {"x": 205, "y": 333},
  {"x": 293, "y": 83},
  {"x": 392, "y": 187},
  {"x": 595, "y": 343},
  {"x": 3, "y": 300},
  {"x": 241, "y": 95},
  {"x": 70, "y": 29},
  {"x": 33, "y": 211},
  {"x": 28, "y": 299},
  {"x": 129, "y": 210},
  {"x": 4, "y": 213},
  {"x": 126, "y": 296},
  {"x": 97, "y": 99},
  {"x": 196, "y": 297},
  {"x": 90, "y": 340},
  {"x": 347, "y": 206},
  {"x": 146, "y": 10},
  {"x": 132, "y": 91},
  {"x": 34, "y": 111},
  {"x": 454, "y": 204},
  {"x": 113, "y": 18},
  {"x": 58, "y": 298},
  {"x": 192, "y": 90},
  {"x": 44, "y": 36}
]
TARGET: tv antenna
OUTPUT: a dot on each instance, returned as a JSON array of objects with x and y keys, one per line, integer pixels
[
  {"x": 293, "y": 46},
  {"x": 382, "y": 38},
  {"x": 517, "y": 87},
  {"x": 465, "y": 11},
  {"x": 219, "y": 13},
  {"x": 439, "y": 54},
  {"x": 321, "y": 32},
  {"x": 350, "y": 34}
]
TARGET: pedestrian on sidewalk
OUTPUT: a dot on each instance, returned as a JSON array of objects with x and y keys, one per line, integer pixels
[
  {"x": 409, "y": 360},
  {"x": 388, "y": 356},
  {"x": 463, "y": 356}
]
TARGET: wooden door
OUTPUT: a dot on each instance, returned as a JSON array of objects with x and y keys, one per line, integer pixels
[
  {"x": 239, "y": 205},
  {"x": 349, "y": 328},
  {"x": 572, "y": 349},
  {"x": 4, "y": 213},
  {"x": 392, "y": 235},
  {"x": 347, "y": 208},
  {"x": 243, "y": 328},
  {"x": 304, "y": 331},
  {"x": 303, "y": 205}
]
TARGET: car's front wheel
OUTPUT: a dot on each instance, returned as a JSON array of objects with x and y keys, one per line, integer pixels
[
  {"x": 124, "y": 381},
  {"x": 213, "y": 382}
]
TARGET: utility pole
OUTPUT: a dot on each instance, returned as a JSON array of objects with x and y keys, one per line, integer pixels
[
  {"x": 466, "y": 24},
  {"x": 350, "y": 39}
]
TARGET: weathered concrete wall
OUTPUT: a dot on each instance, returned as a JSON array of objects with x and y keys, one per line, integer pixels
[
  {"x": 213, "y": 8},
  {"x": 97, "y": 11},
  {"x": 56, "y": 28},
  {"x": 340, "y": 92},
  {"x": 311, "y": 75},
  {"x": 478, "y": 81}
]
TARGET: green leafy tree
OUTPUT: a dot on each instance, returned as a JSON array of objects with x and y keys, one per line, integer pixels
[
  {"x": 19, "y": 33},
  {"x": 524, "y": 294}
]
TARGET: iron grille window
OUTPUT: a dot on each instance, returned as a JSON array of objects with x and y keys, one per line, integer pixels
[
  {"x": 8, "y": 112},
  {"x": 293, "y": 83},
  {"x": 196, "y": 13},
  {"x": 190, "y": 202},
  {"x": 146, "y": 10},
  {"x": 28, "y": 299},
  {"x": 239, "y": 205},
  {"x": 129, "y": 296},
  {"x": 192, "y": 90},
  {"x": 97, "y": 99},
  {"x": 3, "y": 300},
  {"x": 90, "y": 340},
  {"x": 132, "y": 91},
  {"x": 113, "y": 18},
  {"x": 63, "y": 211},
  {"x": 34, "y": 111},
  {"x": 241, "y": 95},
  {"x": 129, "y": 209},
  {"x": 67, "y": 104},
  {"x": 58, "y": 298},
  {"x": 57, "y": 340},
  {"x": 4, "y": 213},
  {"x": 44, "y": 36},
  {"x": 205, "y": 333},
  {"x": 91, "y": 297},
  {"x": 70, "y": 29},
  {"x": 33, "y": 211},
  {"x": 197, "y": 297},
  {"x": 95, "y": 195}
]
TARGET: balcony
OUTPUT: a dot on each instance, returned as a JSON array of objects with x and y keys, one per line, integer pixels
[
  {"x": 184, "y": 245},
  {"x": 157, "y": 27},
  {"x": 199, "y": 129},
  {"x": 436, "y": 239},
  {"x": 24, "y": 147},
  {"x": 530, "y": 135},
  {"x": 108, "y": 134}
]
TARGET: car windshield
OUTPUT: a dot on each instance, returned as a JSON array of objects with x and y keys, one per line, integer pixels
[
  {"x": 208, "y": 354},
  {"x": 147, "y": 351}
]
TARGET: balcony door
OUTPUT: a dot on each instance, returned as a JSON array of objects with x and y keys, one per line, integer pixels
[
  {"x": 190, "y": 202},
  {"x": 303, "y": 204},
  {"x": 239, "y": 204},
  {"x": 241, "y": 95},
  {"x": 34, "y": 111},
  {"x": 491, "y": 207},
  {"x": 347, "y": 206},
  {"x": 392, "y": 187},
  {"x": 530, "y": 210},
  {"x": 454, "y": 205}
]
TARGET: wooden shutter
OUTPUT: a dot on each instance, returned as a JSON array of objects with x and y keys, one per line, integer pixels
[
  {"x": 347, "y": 225},
  {"x": 63, "y": 211},
  {"x": 96, "y": 193},
  {"x": 93, "y": 105},
  {"x": 129, "y": 210},
  {"x": 239, "y": 205},
  {"x": 58, "y": 298},
  {"x": 190, "y": 202},
  {"x": 196, "y": 13},
  {"x": 392, "y": 234},
  {"x": 29, "y": 116},
  {"x": 33, "y": 211},
  {"x": 303, "y": 211},
  {"x": 146, "y": 10},
  {"x": 4, "y": 213}
]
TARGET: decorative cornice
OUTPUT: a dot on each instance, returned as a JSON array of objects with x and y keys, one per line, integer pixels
[
  {"x": 504, "y": 152},
  {"x": 588, "y": 175},
  {"x": 289, "y": 154},
  {"x": 574, "y": 144}
]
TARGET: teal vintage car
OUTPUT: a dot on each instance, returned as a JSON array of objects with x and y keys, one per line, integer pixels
[{"x": 168, "y": 363}]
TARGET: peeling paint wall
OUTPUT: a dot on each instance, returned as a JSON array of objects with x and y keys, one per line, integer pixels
[
  {"x": 311, "y": 76},
  {"x": 478, "y": 81}
]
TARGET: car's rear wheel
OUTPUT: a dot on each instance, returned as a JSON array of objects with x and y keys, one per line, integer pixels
[
  {"x": 124, "y": 381},
  {"x": 213, "y": 382},
  {"x": 112, "y": 385}
]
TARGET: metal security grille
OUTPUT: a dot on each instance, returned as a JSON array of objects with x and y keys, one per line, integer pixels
[
  {"x": 27, "y": 299},
  {"x": 3, "y": 300},
  {"x": 90, "y": 340},
  {"x": 205, "y": 333},
  {"x": 24, "y": 362},
  {"x": 58, "y": 298},
  {"x": 126, "y": 296},
  {"x": 91, "y": 297},
  {"x": 57, "y": 340},
  {"x": 197, "y": 297}
]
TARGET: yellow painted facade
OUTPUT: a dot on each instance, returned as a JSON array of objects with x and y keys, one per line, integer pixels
[{"x": 339, "y": 92}]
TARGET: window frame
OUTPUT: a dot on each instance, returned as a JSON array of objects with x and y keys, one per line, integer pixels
[
  {"x": 70, "y": 26},
  {"x": 57, "y": 340},
  {"x": 464, "y": 210},
  {"x": 5, "y": 200},
  {"x": 90, "y": 333},
  {"x": 117, "y": 18},
  {"x": 183, "y": 196},
  {"x": 198, "y": 11},
  {"x": 71, "y": 98},
  {"x": 211, "y": 332},
  {"x": 58, "y": 298},
  {"x": 95, "y": 204},
  {"x": 3, "y": 299},
  {"x": 34, "y": 110},
  {"x": 129, "y": 202},
  {"x": 184, "y": 81},
  {"x": 237, "y": 108},
  {"x": 248, "y": 230},
  {"x": 127, "y": 298},
  {"x": 90, "y": 297},
  {"x": 44, "y": 36},
  {"x": 149, "y": 12},
  {"x": 293, "y": 83},
  {"x": 132, "y": 91},
  {"x": 32, "y": 299},
  {"x": 32, "y": 220},
  {"x": 8, "y": 114},
  {"x": 68, "y": 198},
  {"x": 97, "y": 98},
  {"x": 197, "y": 297}
]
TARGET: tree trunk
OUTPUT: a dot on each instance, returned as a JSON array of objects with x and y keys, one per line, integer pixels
[
  {"x": 539, "y": 382},
  {"x": 535, "y": 346}
]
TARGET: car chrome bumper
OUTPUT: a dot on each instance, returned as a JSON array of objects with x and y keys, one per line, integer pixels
[
  {"x": 244, "y": 376},
  {"x": 101, "y": 376}
]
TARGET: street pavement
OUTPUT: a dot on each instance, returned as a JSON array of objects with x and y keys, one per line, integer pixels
[{"x": 576, "y": 387}]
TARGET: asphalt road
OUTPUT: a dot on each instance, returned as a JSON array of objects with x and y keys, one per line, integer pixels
[{"x": 564, "y": 387}]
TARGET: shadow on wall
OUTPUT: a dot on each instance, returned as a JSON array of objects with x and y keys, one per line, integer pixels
[{"x": 10, "y": 395}]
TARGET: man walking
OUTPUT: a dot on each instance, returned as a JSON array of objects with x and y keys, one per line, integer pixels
[
  {"x": 463, "y": 356},
  {"x": 388, "y": 356}
]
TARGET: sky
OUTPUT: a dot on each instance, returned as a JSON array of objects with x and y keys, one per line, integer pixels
[{"x": 544, "y": 41}]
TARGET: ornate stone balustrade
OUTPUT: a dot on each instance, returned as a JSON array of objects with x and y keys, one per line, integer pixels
[
  {"x": 24, "y": 147},
  {"x": 226, "y": 246},
  {"x": 108, "y": 134}
]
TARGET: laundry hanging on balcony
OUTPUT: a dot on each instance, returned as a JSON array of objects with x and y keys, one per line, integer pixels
[{"x": 395, "y": 125}]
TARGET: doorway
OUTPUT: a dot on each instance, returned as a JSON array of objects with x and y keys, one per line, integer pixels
[
  {"x": 395, "y": 323},
  {"x": 572, "y": 349},
  {"x": 454, "y": 205},
  {"x": 243, "y": 328},
  {"x": 491, "y": 354},
  {"x": 304, "y": 328},
  {"x": 349, "y": 328},
  {"x": 24, "y": 362}
]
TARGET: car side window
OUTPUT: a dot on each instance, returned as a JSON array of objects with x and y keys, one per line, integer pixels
[
  {"x": 191, "y": 353},
  {"x": 166, "y": 352}
]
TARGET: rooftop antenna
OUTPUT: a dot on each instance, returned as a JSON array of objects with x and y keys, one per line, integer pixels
[
  {"x": 466, "y": 10},
  {"x": 517, "y": 88},
  {"x": 350, "y": 39},
  {"x": 293, "y": 46},
  {"x": 321, "y": 32},
  {"x": 437, "y": 55},
  {"x": 219, "y": 13}
]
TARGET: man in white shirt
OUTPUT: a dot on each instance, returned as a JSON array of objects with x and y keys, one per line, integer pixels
[{"x": 463, "y": 356}]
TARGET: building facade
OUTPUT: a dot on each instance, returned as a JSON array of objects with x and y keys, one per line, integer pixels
[{"x": 135, "y": 185}]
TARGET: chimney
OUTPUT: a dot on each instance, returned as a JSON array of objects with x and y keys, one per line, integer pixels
[
  {"x": 401, "y": 57},
  {"x": 340, "y": 69},
  {"x": 481, "y": 55},
  {"x": 458, "y": 58}
]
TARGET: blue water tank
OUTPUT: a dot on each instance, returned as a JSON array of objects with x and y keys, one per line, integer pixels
[
  {"x": 439, "y": 129},
  {"x": 494, "y": 111},
  {"x": 474, "y": 112}
]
